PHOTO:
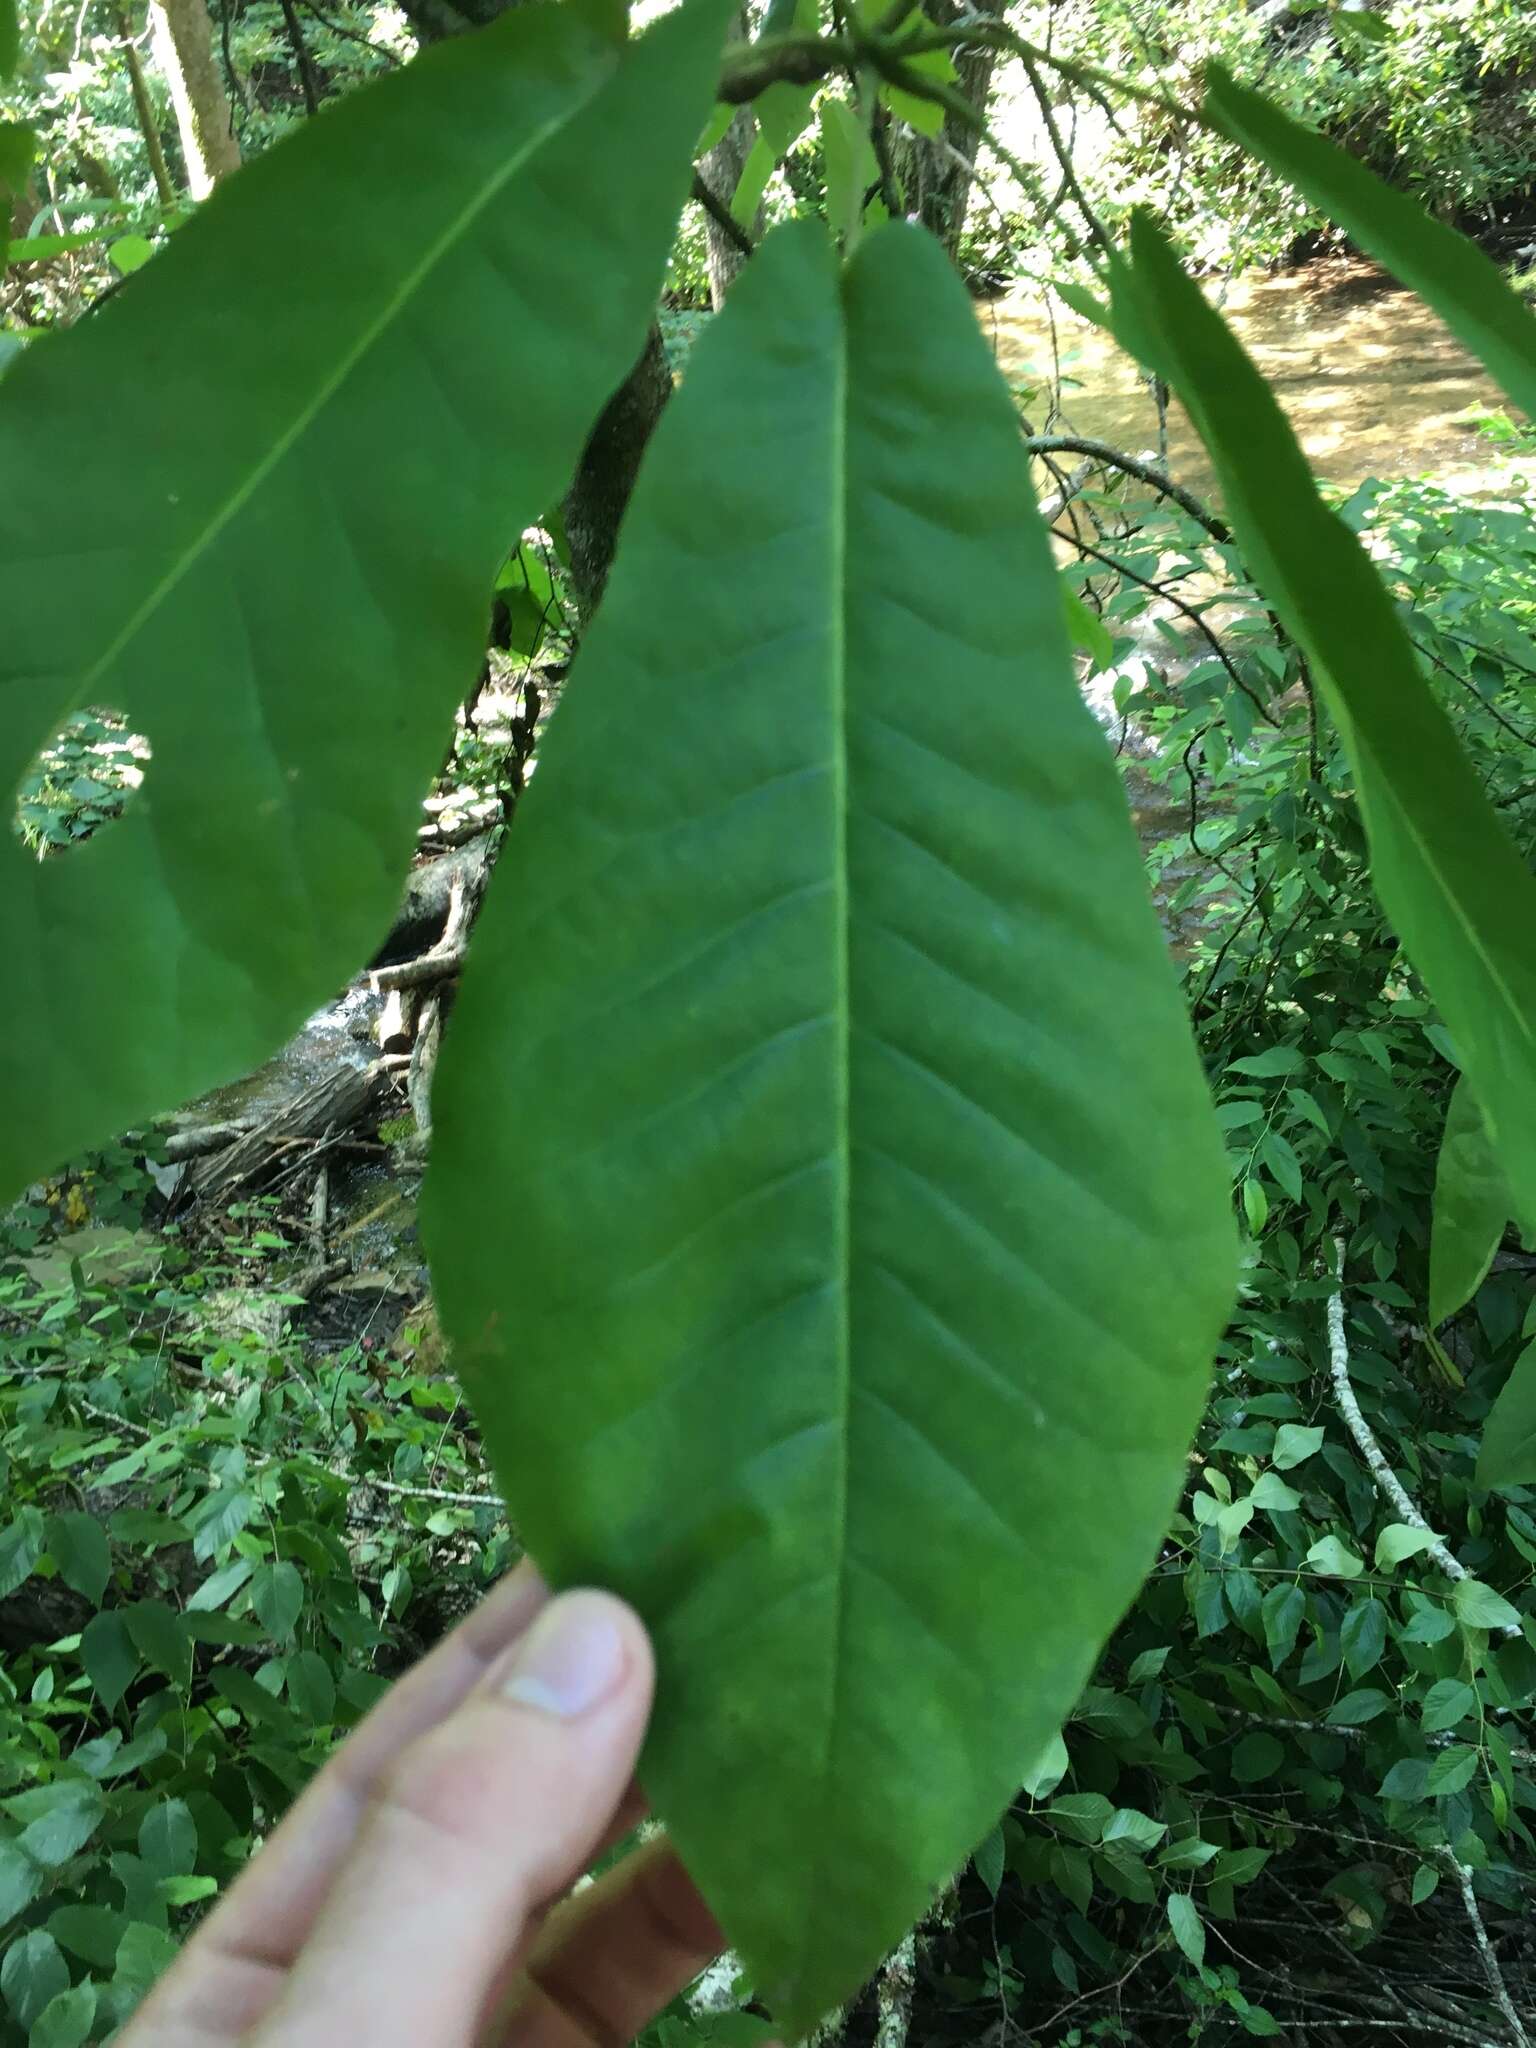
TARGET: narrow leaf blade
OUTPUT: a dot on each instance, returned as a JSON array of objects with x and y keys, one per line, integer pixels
[
  {"x": 1446, "y": 871},
  {"x": 1442, "y": 266},
  {"x": 1472, "y": 1205},
  {"x": 1508, "y": 1454},
  {"x": 835, "y": 1245}
]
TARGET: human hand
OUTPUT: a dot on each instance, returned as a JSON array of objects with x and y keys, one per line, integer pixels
[{"x": 409, "y": 1898}]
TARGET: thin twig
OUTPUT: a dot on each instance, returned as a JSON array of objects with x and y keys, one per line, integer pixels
[
  {"x": 1496, "y": 1984},
  {"x": 1387, "y": 1483}
]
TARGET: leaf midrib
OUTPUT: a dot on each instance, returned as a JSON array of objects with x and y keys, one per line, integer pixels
[
  {"x": 412, "y": 282},
  {"x": 842, "y": 1022}
]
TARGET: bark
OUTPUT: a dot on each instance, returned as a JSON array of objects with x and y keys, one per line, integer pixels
[
  {"x": 290, "y": 1135},
  {"x": 304, "y": 63},
  {"x": 430, "y": 894},
  {"x": 721, "y": 171},
  {"x": 144, "y": 108},
  {"x": 937, "y": 175},
  {"x": 606, "y": 474},
  {"x": 183, "y": 45}
]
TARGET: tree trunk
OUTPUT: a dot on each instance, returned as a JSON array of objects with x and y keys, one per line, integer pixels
[
  {"x": 606, "y": 474},
  {"x": 144, "y": 107},
  {"x": 937, "y": 175},
  {"x": 721, "y": 171},
  {"x": 183, "y": 45}
]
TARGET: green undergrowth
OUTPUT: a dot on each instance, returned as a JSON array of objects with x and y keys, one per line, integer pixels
[{"x": 222, "y": 1540}]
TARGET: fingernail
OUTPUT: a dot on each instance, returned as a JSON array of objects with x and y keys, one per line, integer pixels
[{"x": 570, "y": 1660}]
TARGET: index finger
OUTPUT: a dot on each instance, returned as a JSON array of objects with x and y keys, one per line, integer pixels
[{"x": 235, "y": 1964}]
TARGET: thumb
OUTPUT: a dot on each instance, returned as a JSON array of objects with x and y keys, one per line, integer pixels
[{"x": 478, "y": 1825}]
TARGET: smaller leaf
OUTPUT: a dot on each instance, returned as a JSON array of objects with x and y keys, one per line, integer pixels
[
  {"x": 925, "y": 115},
  {"x": 220, "y": 1586},
  {"x": 1270, "y": 1491},
  {"x": 1508, "y": 1453},
  {"x": 1425, "y": 1880},
  {"x": 32, "y": 1973},
  {"x": 1429, "y": 1625},
  {"x": 1479, "y": 1606},
  {"x": 851, "y": 169},
  {"x": 59, "y": 1819},
  {"x": 66, "y": 2021},
  {"x": 1448, "y": 1701},
  {"x": 78, "y": 1545},
  {"x": 988, "y": 1860},
  {"x": 1284, "y": 1610},
  {"x": 1256, "y": 1757},
  {"x": 1363, "y": 1636},
  {"x": 277, "y": 1594},
  {"x": 1190, "y": 1854},
  {"x": 1334, "y": 1560},
  {"x": 21, "y": 1545},
  {"x": 1188, "y": 1928},
  {"x": 1080, "y": 1815},
  {"x": 311, "y": 1688},
  {"x": 1129, "y": 1824},
  {"x": 1238, "y": 1866},
  {"x": 1047, "y": 1770},
  {"x": 1294, "y": 1444},
  {"x": 1407, "y": 1779},
  {"x": 1451, "y": 1771},
  {"x": 20, "y": 1881},
  {"x": 162, "y": 1638},
  {"x": 1356, "y": 1708},
  {"x": 1473, "y": 1203},
  {"x": 168, "y": 1838},
  {"x": 1400, "y": 1540}
]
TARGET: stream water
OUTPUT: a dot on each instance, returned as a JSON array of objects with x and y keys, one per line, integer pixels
[{"x": 1372, "y": 380}]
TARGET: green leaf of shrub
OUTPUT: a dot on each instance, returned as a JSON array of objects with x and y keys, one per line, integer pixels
[
  {"x": 1448, "y": 1701},
  {"x": 1443, "y": 267},
  {"x": 1294, "y": 1444},
  {"x": 78, "y": 1545},
  {"x": 1446, "y": 871},
  {"x": 1399, "y": 1541},
  {"x": 1473, "y": 1203},
  {"x": 277, "y": 1595},
  {"x": 1479, "y": 1606},
  {"x": 1363, "y": 1636},
  {"x": 806, "y": 1003},
  {"x": 66, "y": 2021},
  {"x": 282, "y": 579},
  {"x": 1188, "y": 1928},
  {"x": 1508, "y": 1453},
  {"x": 111, "y": 1661},
  {"x": 1334, "y": 1559},
  {"x": 32, "y": 1973},
  {"x": 1256, "y": 1757}
]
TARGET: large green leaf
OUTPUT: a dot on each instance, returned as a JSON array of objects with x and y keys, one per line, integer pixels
[
  {"x": 1508, "y": 1454},
  {"x": 10, "y": 38},
  {"x": 1447, "y": 873},
  {"x": 1472, "y": 1205},
  {"x": 257, "y": 504},
  {"x": 836, "y": 1266},
  {"x": 1443, "y": 267}
]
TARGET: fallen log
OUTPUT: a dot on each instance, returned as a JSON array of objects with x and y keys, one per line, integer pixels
[
  {"x": 197, "y": 1143},
  {"x": 300, "y": 1129},
  {"x": 429, "y": 898}
]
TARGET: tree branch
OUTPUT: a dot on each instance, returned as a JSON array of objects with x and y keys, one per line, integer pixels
[
  {"x": 722, "y": 215},
  {"x": 1387, "y": 1483},
  {"x": 1144, "y": 472}
]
